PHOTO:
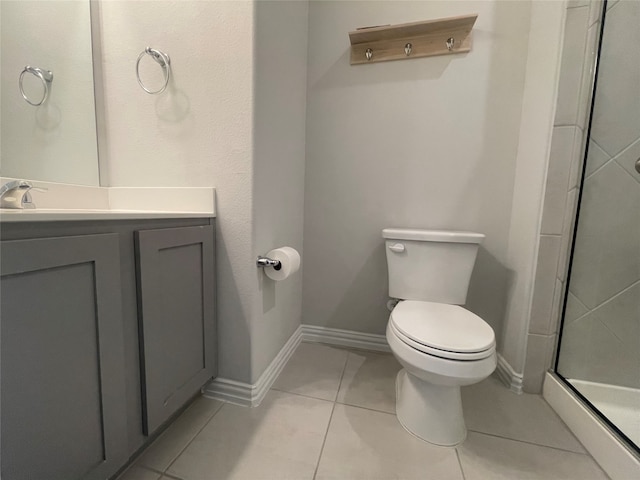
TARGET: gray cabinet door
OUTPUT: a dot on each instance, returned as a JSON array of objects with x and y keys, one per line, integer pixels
[
  {"x": 63, "y": 397},
  {"x": 176, "y": 295}
]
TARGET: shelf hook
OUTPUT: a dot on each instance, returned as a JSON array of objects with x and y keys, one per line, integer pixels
[
  {"x": 368, "y": 53},
  {"x": 407, "y": 49},
  {"x": 450, "y": 42}
]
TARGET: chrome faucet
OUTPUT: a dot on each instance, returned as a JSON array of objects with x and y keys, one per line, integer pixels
[{"x": 15, "y": 194}]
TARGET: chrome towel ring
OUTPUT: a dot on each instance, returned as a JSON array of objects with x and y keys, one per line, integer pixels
[
  {"x": 163, "y": 60},
  {"x": 45, "y": 76}
]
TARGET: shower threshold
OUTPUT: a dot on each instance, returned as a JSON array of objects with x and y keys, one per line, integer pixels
[
  {"x": 618, "y": 404},
  {"x": 616, "y": 457}
]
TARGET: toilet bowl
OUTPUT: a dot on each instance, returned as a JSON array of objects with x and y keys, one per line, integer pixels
[{"x": 440, "y": 345}]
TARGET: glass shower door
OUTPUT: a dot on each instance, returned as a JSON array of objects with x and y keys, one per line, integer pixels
[{"x": 599, "y": 351}]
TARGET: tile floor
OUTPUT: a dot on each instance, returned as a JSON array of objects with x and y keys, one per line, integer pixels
[{"x": 330, "y": 416}]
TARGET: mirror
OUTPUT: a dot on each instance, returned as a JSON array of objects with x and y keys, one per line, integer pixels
[{"x": 55, "y": 141}]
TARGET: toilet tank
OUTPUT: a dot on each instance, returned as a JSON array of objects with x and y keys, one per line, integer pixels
[{"x": 430, "y": 265}]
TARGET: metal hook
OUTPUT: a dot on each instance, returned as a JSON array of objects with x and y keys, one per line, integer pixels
[
  {"x": 407, "y": 49},
  {"x": 450, "y": 42},
  {"x": 368, "y": 53},
  {"x": 163, "y": 60},
  {"x": 158, "y": 56},
  {"x": 45, "y": 76}
]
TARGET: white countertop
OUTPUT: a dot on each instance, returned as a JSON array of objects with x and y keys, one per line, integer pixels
[
  {"x": 55, "y": 215},
  {"x": 63, "y": 202}
]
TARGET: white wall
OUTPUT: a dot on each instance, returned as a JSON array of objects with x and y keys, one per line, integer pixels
[
  {"x": 278, "y": 153},
  {"x": 234, "y": 118},
  {"x": 542, "y": 71},
  {"x": 199, "y": 133},
  {"x": 581, "y": 38},
  {"x": 429, "y": 143}
]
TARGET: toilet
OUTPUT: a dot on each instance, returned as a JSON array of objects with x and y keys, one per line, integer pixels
[{"x": 440, "y": 345}]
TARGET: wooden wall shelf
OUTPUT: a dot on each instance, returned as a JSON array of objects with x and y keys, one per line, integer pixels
[{"x": 412, "y": 40}]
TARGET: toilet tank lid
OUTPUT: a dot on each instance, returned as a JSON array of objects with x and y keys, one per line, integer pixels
[{"x": 421, "y": 235}]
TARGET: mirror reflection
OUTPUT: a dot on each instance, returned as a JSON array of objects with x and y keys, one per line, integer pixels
[{"x": 48, "y": 122}]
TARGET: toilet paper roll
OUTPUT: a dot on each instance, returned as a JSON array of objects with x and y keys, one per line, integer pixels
[{"x": 289, "y": 263}]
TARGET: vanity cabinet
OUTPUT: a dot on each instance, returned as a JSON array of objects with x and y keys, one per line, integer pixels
[
  {"x": 107, "y": 330},
  {"x": 63, "y": 390},
  {"x": 175, "y": 270}
]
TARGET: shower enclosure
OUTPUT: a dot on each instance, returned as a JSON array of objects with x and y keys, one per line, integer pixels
[{"x": 599, "y": 349}]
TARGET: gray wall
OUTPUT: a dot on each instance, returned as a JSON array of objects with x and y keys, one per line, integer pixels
[
  {"x": 278, "y": 156},
  {"x": 428, "y": 143}
]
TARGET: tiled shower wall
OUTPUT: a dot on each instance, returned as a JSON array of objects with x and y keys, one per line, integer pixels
[
  {"x": 601, "y": 336},
  {"x": 567, "y": 149}
]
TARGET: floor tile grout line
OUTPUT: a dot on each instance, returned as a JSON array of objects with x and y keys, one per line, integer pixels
[
  {"x": 169, "y": 475},
  {"x": 300, "y": 395},
  {"x": 529, "y": 443},
  {"x": 344, "y": 369},
  {"x": 366, "y": 408},
  {"x": 165, "y": 433},
  {"x": 324, "y": 441},
  {"x": 460, "y": 463},
  {"x": 162, "y": 474},
  {"x": 333, "y": 408},
  {"x": 566, "y": 427},
  {"x": 141, "y": 467},
  {"x": 192, "y": 439},
  {"x": 336, "y": 402}
]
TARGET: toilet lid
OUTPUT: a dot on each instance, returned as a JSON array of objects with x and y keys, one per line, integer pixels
[{"x": 445, "y": 327}]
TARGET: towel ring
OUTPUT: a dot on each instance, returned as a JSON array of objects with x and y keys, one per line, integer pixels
[
  {"x": 163, "y": 60},
  {"x": 45, "y": 76}
]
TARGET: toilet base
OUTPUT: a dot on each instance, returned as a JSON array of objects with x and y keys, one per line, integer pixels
[{"x": 430, "y": 412}]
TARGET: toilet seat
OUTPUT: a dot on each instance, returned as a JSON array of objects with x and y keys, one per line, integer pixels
[{"x": 442, "y": 330}]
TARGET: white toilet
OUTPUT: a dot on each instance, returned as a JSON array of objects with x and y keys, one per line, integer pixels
[{"x": 441, "y": 345}]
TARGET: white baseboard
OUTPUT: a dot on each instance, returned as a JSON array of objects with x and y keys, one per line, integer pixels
[
  {"x": 612, "y": 455},
  {"x": 368, "y": 341},
  {"x": 508, "y": 375},
  {"x": 345, "y": 338},
  {"x": 249, "y": 395}
]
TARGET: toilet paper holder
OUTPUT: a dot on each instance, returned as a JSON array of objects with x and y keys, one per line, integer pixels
[{"x": 263, "y": 262}]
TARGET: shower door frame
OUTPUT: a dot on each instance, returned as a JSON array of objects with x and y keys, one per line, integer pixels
[{"x": 586, "y": 137}]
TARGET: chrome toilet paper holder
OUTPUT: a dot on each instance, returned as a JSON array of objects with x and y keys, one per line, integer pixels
[{"x": 263, "y": 262}]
